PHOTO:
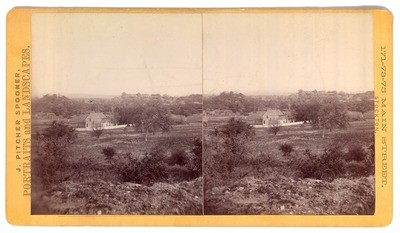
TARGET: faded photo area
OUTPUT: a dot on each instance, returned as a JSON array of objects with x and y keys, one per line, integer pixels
[
  {"x": 116, "y": 114},
  {"x": 203, "y": 113},
  {"x": 288, "y": 114}
]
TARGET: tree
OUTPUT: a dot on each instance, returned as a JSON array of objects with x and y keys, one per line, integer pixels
[
  {"x": 52, "y": 160},
  {"x": 322, "y": 110},
  {"x": 231, "y": 141},
  {"x": 148, "y": 117},
  {"x": 332, "y": 114},
  {"x": 306, "y": 106},
  {"x": 57, "y": 104},
  {"x": 196, "y": 161},
  {"x": 274, "y": 129},
  {"x": 154, "y": 117}
]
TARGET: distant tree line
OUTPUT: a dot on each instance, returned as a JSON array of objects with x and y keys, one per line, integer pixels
[
  {"x": 62, "y": 106},
  {"x": 240, "y": 103}
]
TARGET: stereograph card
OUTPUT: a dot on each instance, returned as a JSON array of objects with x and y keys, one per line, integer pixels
[{"x": 199, "y": 117}]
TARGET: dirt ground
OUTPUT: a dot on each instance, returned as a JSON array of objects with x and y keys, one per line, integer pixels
[
  {"x": 282, "y": 195},
  {"x": 98, "y": 197}
]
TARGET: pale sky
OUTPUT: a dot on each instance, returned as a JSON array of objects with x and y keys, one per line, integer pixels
[
  {"x": 107, "y": 54},
  {"x": 280, "y": 53}
]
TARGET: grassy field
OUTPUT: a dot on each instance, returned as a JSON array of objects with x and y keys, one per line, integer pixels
[{"x": 274, "y": 182}]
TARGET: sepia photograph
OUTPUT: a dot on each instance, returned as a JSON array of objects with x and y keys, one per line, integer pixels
[
  {"x": 203, "y": 114},
  {"x": 116, "y": 114},
  {"x": 289, "y": 114}
]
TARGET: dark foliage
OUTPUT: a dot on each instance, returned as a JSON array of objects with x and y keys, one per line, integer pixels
[
  {"x": 196, "y": 161},
  {"x": 157, "y": 167},
  {"x": 51, "y": 165},
  {"x": 360, "y": 162},
  {"x": 147, "y": 170},
  {"x": 234, "y": 128},
  {"x": 97, "y": 133},
  {"x": 108, "y": 152},
  {"x": 147, "y": 117},
  {"x": 326, "y": 166},
  {"x": 286, "y": 149},
  {"x": 178, "y": 157},
  {"x": 177, "y": 173},
  {"x": 57, "y": 104},
  {"x": 356, "y": 153},
  {"x": 226, "y": 151},
  {"x": 274, "y": 130},
  {"x": 334, "y": 163},
  {"x": 324, "y": 110}
]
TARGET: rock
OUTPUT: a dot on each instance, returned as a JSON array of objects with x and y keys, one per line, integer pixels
[{"x": 99, "y": 212}]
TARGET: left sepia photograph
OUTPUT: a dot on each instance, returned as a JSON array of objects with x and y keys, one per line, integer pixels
[{"x": 116, "y": 114}]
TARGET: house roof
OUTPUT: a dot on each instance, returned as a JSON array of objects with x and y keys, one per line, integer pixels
[
  {"x": 79, "y": 118},
  {"x": 256, "y": 115},
  {"x": 97, "y": 115},
  {"x": 274, "y": 112}
]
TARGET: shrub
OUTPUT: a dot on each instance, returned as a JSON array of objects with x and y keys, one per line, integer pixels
[
  {"x": 357, "y": 169},
  {"x": 274, "y": 130},
  {"x": 360, "y": 162},
  {"x": 196, "y": 160},
  {"x": 146, "y": 170},
  {"x": 52, "y": 165},
  {"x": 97, "y": 133},
  {"x": 356, "y": 153},
  {"x": 178, "y": 157},
  {"x": 286, "y": 149},
  {"x": 327, "y": 166},
  {"x": 177, "y": 173},
  {"x": 226, "y": 148},
  {"x": 108, "y": 152}
]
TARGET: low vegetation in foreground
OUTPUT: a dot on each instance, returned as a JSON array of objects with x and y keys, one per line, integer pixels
[
  {"x": 117, "y": 172},
  {"x": 300, "y": 170}
]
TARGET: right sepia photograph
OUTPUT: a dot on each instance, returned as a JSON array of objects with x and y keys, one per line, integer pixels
[{"x": 288, "y": 114}]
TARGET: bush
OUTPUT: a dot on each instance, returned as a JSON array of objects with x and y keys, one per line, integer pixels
[
  {"x": 356, "y": 153},
  {"x": 178, "y": 157},
  {"x": 227, "y": 149},
  {"x": 360, "y": 162},
  {"x": 177, "y": 173},
  {"x": 108, "y": 152},
  {"x": 286, "y": 149},
  {"x": 97, "y": 133},
  {"x": 196, "y": 160},
  {"x": 147, "y": 170},
  {"x": 274, "y": 130},
  {"x": 328, "y": 166},
  {"x": 52, "y": 166},
  {"x": 357, "y": 169}
]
